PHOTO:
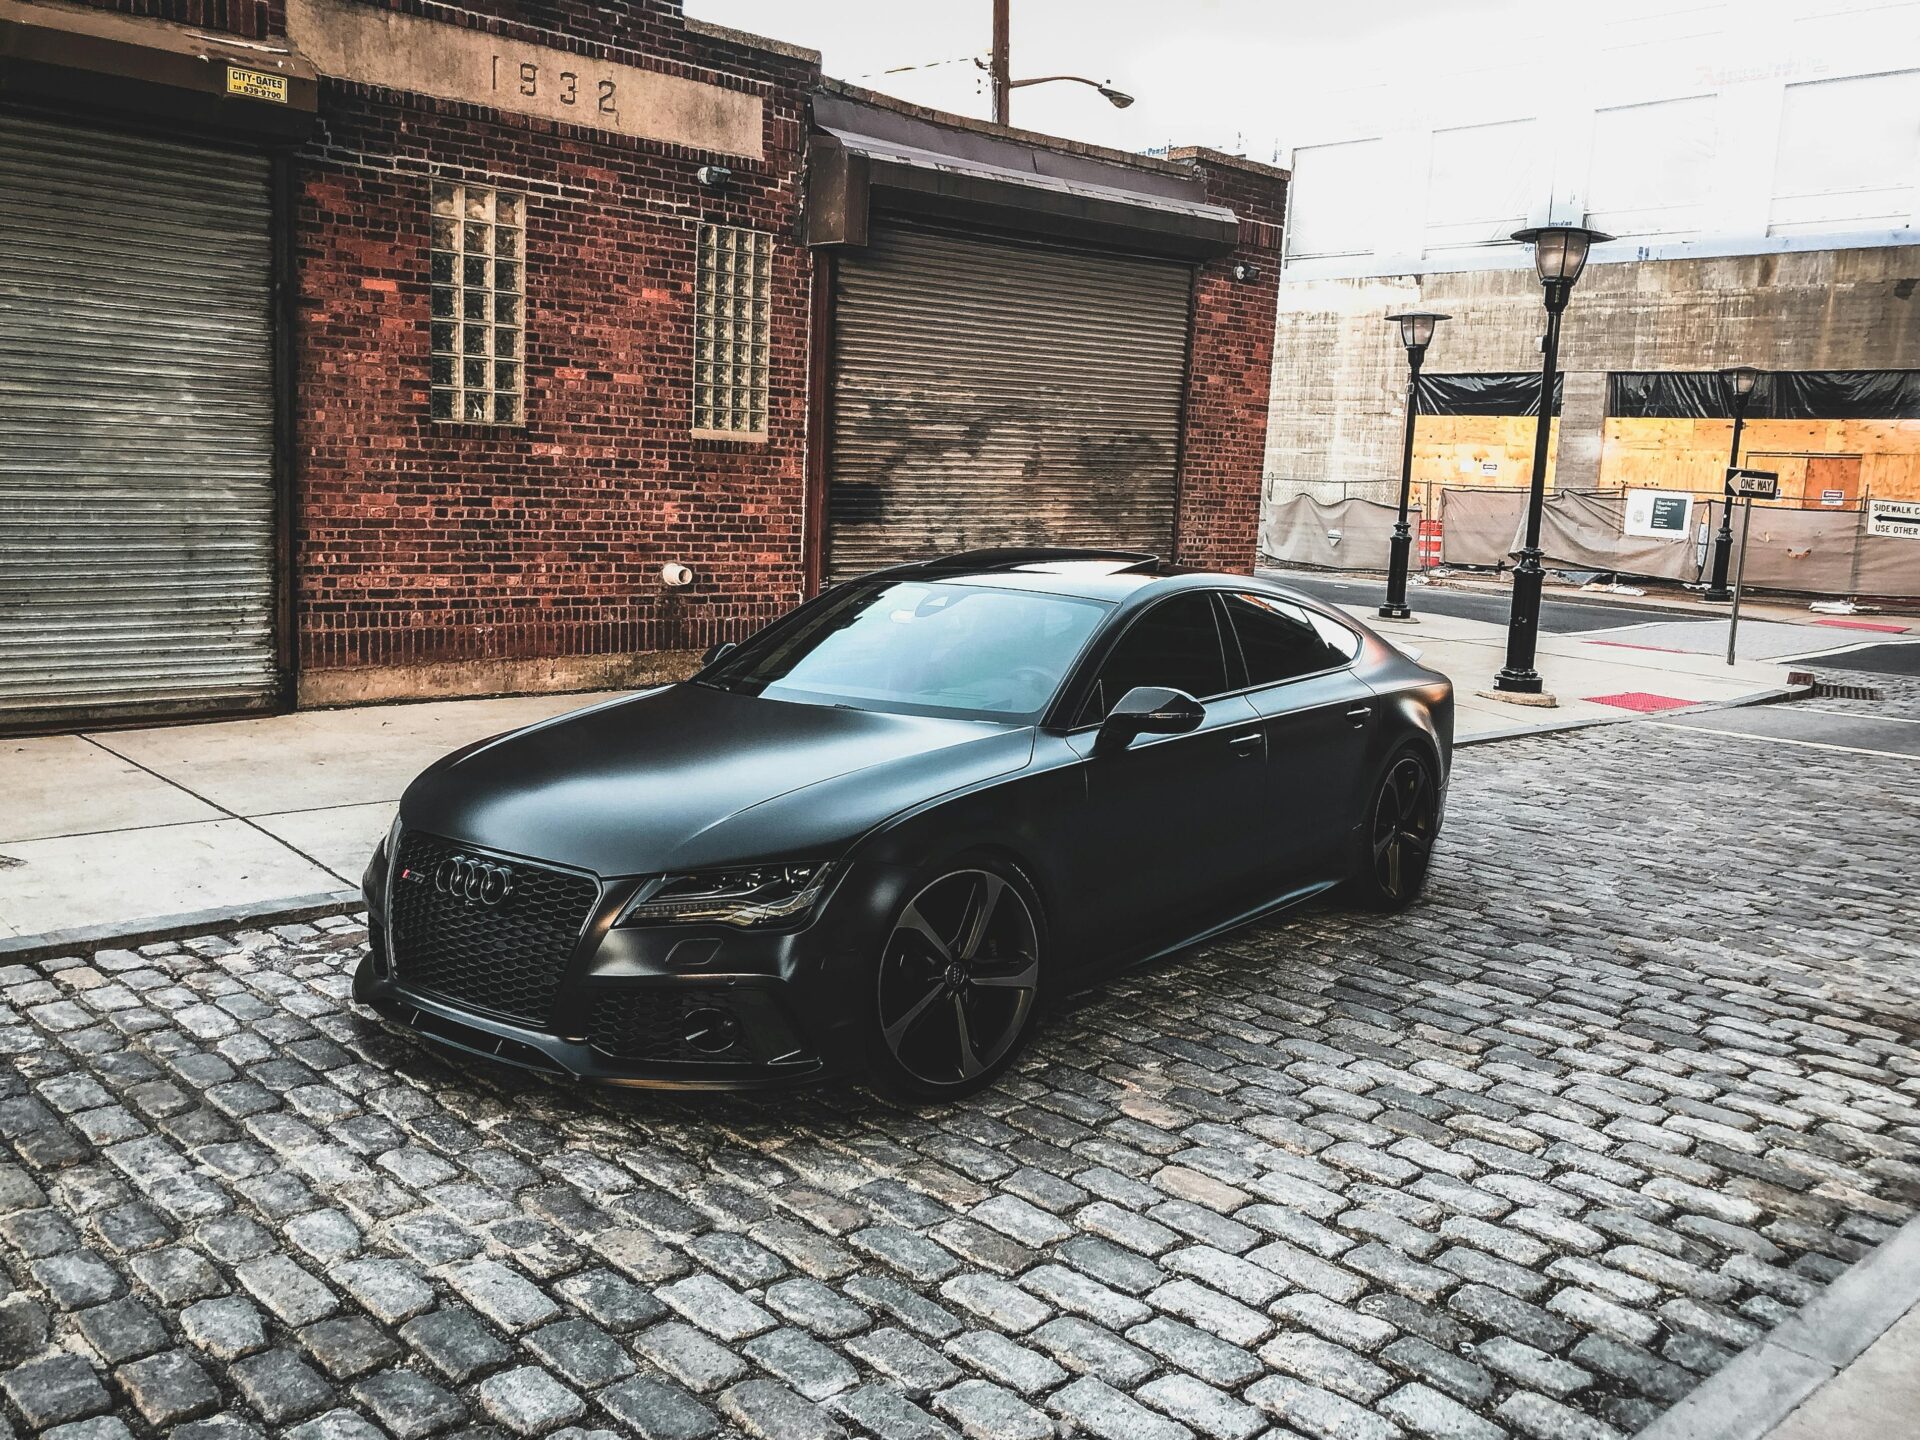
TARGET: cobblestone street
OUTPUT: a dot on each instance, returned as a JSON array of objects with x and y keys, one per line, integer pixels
[{"x": 1637, "y": 1079}]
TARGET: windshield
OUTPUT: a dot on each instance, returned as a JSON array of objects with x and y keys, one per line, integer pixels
[{"x": 919, "y": 646}]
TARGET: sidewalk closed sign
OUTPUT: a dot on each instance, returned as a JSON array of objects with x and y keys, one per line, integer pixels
[
  {"x": 1657, "y": 514},
  {"x": 1894, "y": 519}
]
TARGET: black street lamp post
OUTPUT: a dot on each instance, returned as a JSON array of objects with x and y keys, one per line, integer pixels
[
  {"x": 1416, "y": 333},
  {"x": 1741, "y": 381},
  {"x": 1559, "y": 254}
]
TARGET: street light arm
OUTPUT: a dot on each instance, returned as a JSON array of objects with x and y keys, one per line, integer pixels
[
  {"x": 1049, "y": 79},
  {"x": 1119, "y": 99}
]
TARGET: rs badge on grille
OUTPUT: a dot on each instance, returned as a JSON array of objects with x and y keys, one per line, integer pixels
[{"x": 476, "y": 881}]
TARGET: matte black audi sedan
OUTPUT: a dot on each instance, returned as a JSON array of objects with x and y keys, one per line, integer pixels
[{"x": 879, "y": 833}]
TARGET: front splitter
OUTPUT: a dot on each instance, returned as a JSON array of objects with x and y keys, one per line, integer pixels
[{"x": 447, "y": 1028}]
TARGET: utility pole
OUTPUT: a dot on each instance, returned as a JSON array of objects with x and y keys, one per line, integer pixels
[
  {"x": 1000, "y": 68},
  {"x": 1001, "y": 65}
]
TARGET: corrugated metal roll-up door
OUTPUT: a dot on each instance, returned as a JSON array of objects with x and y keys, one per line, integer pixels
[
  {"x": 990, "y": 391},
  {"x": 136, "y": 426}
]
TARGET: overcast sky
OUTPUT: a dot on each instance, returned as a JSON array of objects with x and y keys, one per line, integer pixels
[{"x": 1236, "y": 74}]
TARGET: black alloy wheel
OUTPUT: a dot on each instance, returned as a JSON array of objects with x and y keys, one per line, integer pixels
[
  {"x": 958, "y": 982},
  {"x": 1401, "y": 827}
]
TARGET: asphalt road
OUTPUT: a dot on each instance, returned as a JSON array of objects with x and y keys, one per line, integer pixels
[
  {"x": 1893, "y": 659},
  {"x": 1812, "y": 726},
  {"x": 1572, "y": 616},
  {"x": 1557, "y": 616}
]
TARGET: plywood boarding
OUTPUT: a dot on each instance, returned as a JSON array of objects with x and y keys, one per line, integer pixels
[
  {"x": 1692, "y": 454},
  {"x": 1664, "y": 454},
  {"x": 1476, "y": 450}
]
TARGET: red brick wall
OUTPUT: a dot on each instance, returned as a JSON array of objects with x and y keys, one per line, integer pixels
[
  {"x": 417, "y": 544},
  {"x": 421, "y": 543},
  {"x": 1230, "y": 372},
  {"x": 255, "y": 19}
]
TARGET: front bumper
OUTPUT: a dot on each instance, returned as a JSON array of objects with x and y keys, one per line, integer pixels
[{"x": 688, "y": 1007}]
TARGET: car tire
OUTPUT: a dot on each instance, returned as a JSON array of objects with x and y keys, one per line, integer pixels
[
  {"x": 957, "y": 988},
  {"x": 1397, "y": 833}
]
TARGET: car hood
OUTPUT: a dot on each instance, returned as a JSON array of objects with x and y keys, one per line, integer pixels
[{"x": 690, "y": 777}]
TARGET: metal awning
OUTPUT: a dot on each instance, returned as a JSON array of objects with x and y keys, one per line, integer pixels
[
  {"x": 866, "y": 155},
  {"x": 98, "y": 64}
]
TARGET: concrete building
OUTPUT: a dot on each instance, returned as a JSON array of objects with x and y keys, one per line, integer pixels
[
  {"x": 1760, "y": 166},
  {"x": 354, "y": 352}
]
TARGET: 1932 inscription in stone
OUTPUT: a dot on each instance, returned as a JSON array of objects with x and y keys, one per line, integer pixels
[{"x": 406, "y": 52}]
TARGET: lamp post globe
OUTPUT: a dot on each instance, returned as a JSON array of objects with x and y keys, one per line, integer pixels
[
  {"x": 1416, "y": 333},
  {"x": 1741, "y": 381},
  {"x": 1559, "y": 255}
]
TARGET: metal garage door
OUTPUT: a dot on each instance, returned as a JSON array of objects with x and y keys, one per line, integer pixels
[
  {"x": 136, "y": 426},
  {"x": 996, "y": 392}
]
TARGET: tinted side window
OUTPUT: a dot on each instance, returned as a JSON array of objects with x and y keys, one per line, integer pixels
[
  {"x": 1175, "y": 644},
  {"x": 1281, "y": 641}
]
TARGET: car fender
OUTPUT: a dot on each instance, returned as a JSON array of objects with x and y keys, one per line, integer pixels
[
  {"x": 1020, "y": 817},
  {"x": 1421, "y": 712}
]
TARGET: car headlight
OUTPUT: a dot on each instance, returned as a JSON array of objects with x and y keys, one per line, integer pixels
[{"x": 752, "y": 895}]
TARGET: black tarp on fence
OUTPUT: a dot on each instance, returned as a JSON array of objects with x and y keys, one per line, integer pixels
[
  {"x": 1506, "y": 393},
  {"x": 1781, "y": 395}
]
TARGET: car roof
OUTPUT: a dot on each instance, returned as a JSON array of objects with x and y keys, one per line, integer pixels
[{"x": 1113, "y": 576}]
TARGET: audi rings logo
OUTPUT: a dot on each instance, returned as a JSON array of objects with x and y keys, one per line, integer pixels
[{"x": 478, "y": 882}]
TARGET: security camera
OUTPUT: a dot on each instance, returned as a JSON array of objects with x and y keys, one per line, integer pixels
[
  {"x": 1244, "y": 272},
  {"x": 675, "y": 575},
  {"x": 713, "y": 176}
]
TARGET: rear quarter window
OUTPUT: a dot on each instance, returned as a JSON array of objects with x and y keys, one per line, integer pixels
[{"x": 1280, "y": 640}]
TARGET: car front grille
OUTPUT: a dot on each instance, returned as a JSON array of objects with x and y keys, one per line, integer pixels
[
  {"x": 694, "y": 1025},
  {"x": 505, "y": 958}
]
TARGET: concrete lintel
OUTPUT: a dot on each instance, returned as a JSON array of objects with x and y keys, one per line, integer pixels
[{"x": 747, "y": 40}]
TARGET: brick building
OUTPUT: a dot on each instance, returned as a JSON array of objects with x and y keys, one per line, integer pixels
[{"x": 366, "y": 352}]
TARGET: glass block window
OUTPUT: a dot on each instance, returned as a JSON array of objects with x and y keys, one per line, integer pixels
[
  {"x": 735, "y": 299},
  {"x": 479, "y": 305}
]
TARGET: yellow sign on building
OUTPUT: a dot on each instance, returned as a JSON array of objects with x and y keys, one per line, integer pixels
[{"x": 256, "y": 84}]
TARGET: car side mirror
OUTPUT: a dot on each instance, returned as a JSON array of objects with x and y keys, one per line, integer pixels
[
  {"x": 719, "y": 651},
  {"x": 1149, "y": 710}
]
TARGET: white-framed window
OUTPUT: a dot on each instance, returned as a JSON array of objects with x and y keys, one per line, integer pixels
[
  {"x": 1338, "y": 199},
  {"x": 1480, "y": 181},
  {"x": 479, "y": 305},
  {"x": 733, "y": 311},
  {"x": 1847, "y": 155},
  {"x": 1653, "y": 166}
]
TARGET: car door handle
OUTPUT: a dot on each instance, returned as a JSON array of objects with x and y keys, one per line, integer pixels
[
  {"x": 1244, "y": 745},
  {"x": 1359, "y": 715}
]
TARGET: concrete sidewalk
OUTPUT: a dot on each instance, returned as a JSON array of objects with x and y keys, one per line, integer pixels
[
  {"x": 132, "y": 830},
  {"x": 1846, "y": 1367},
  {"x": 1591, "y": 677},
  {"x": 125, "y": 827}
]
